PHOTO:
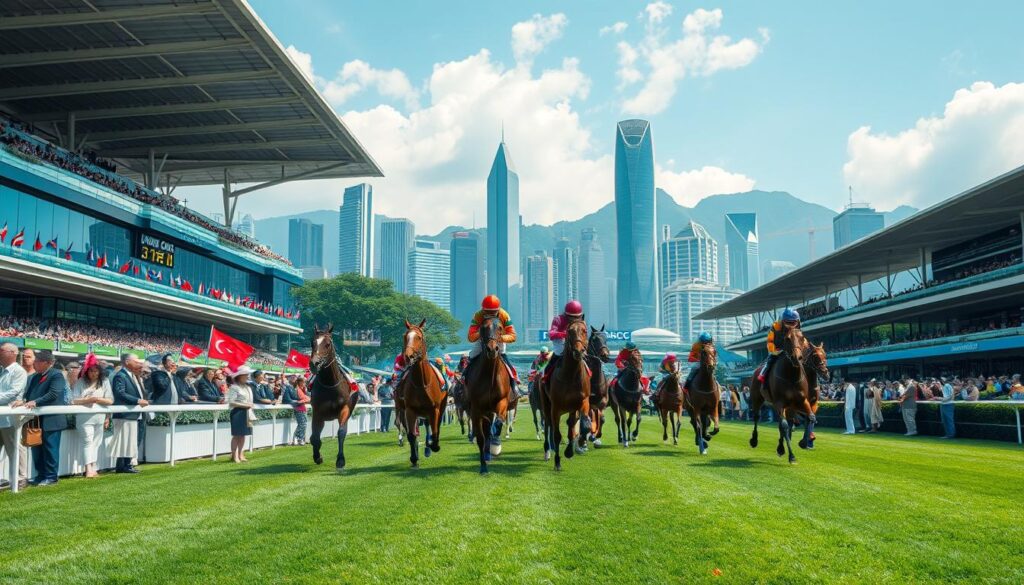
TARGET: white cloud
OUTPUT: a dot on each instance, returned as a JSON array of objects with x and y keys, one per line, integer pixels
[
  {"x": 698, "y": 52},
  {"x": 531, "y": 36},
  {"x": 617, "y": 29},
  {"x": 356, "y": 76},
  {"x": 689, "y": 187},
  {"x": 979, "y": 135},
  {"x": 304, "y": 61}
]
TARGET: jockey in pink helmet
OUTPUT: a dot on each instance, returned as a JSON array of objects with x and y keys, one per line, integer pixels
[{"x": 559, "y": 325}]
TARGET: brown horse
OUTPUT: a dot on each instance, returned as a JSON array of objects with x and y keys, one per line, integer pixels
[
  {"x": 702, "y": 398},
  {"x": 627, "y": 398},
  {"x": 787, "y": 392},
  {"x": 597, "y": 356},
  {"x": 669, "y": 401},
  {"x": 567, "y": 391},
  {"x": 488, "y": 390},
  {"x": 421, "y": 393},
  {"x": 333, "y": 394}
]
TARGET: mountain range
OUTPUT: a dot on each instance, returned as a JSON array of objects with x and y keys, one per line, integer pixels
[{"x": 787, "y": 226}]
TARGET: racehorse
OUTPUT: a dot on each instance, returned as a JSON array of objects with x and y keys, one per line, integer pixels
[
  {"x": 459, "y": 400},
  {"x": 567, "y": 391},
  {"x": 333, "y": 394},
  {"x": 702, "y": 399},
  {"x": 488, "y": 388},
  {"x": 627, "y": 397},
  {"x": 816, "y": 367},
  {"x": 597, "y": 355},
  {"x": 787, "y": 392},
  {"x": 513, "y": 409},
  {"x": 421, "y": 393},
  {"x": 669, "y": 401},
  {"x": 535, "y": 403}
]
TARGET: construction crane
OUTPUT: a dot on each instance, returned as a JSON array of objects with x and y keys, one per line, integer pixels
[{"x": 810, "y": 231}]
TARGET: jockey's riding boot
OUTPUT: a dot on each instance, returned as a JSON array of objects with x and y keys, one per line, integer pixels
[
  {"x": 511, "y": 368},
  {"x": 763, "y": 376},
  {"x": 689, "y": 379}
]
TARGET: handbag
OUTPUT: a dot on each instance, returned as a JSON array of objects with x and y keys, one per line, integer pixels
[{"x": 32, "y": 433}]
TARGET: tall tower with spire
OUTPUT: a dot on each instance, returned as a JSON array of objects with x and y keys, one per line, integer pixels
[{"x": 503, "y": 270}]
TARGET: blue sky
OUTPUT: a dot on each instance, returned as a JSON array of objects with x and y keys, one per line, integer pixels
[{"x": 781, "y": 117}]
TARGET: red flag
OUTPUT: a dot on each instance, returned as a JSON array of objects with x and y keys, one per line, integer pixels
[
  {"x": 190, "y": 352},
  {"x": 3, "y": 233},
  {"x": 126, "y": 267},
  {"x": 227, "y": 348},
  {"x": 101, "y": 262},
  {"x": 185, "y": 286},
  {"x": 297, "y": 360},
  {"x": 38, "y": 245},
  {"x": 52, "y": 243}
]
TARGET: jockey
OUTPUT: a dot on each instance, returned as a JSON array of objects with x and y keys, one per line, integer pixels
[
  {"x": 694, "y": 358},
  {"x": 776, "y": 333},
  {"x": 624, "y": 354},
  {"x": 541, "y": 361},
  {"x": 446, "y": 373},
  {"x": 491, "y": 306},
  {"x": 559, "y": 325}
]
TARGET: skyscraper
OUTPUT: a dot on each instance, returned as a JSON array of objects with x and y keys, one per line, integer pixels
[
  {"x": 247, "y": 226},
  {"x": 502, "y": 225},
  {"x": 773, "y": 269},
  {"x": 355, "y": 231},
  {"x": 378, "y": 219},
  {"x": 692, "y": 253},
  {"x": 396, "y": 240},
  {"x": 683, "y": 299},
  {"x": 855, "y": 222},
  {"x": 538, "y": 297},
  {"x": 565, "y": 264},
  {"x": 305, "y": 243},
  {"x": 467, "y": 275},
  {"x": 592, "y": 283},
  {"x": 634, "y": 218},
  {"x": 429, "y": 266},
  {"x": 741, "y": 239}
]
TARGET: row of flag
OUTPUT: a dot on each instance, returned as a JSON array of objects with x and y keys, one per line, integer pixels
[
  {"x": 235, "y": 351},
  {"x": 131, "y": 267}
]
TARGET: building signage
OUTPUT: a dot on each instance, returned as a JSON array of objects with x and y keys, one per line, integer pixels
[
  {"x": 155, "y": 250},
  {"x": 612, "y": 334}
]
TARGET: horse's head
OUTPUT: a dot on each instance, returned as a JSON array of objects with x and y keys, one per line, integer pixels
[
  {"x": 322, "y": 352},
  {"x": 818, "y": 361},
  {"x": 576, "y": 338},
  {"x": 635, "y": 361},
  {"x": 415, "y": 342},
  {"x": 598, "y": 345},
  {"x": 708, "y": 357},
  {"x": 793, "y": 346},
  {"x": 490, "y": 336}
]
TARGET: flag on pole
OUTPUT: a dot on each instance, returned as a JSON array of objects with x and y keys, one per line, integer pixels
[
  {"x": 101, "y": 262},
  {"x": 52, "y": 243},
  {"x": 3, "y": 233},
  {"x": 297, "y": 360},
  {"x": 201, "y": 291},
  {"x": 190, "y": 352},
  {"x": 19, "y": 239},
  {"x": 224, "y": 347},
  {"x": 67, "y": 251},
  {"x": 186, "y": 286},
  {"x": 38, "y": 245},
  {"x": 126, "y": 267},
  {"x": 91, "y": 256}
]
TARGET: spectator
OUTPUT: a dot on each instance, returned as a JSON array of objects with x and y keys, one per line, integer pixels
[
  {"x": 874, "y": 408},
  {"x": 28, "y": 358},
  {"x": 296, "y": 394},
  {"x": 184, "y": 381},
  {"x": 127, "y": 388},
  {"x": 908, "y": 407},
  {"x": 206, "y": 387},
  {"x": 946, "y": 410},
  {"x": 240, "y": 398},
  {"x": 850, "y": 399},
  {"x": 47, "y": 387},
  {"x": 1016, "y": 390},
  {"x": 385, "y": 393},
  {"x": 13, "y": 380},
  {"x": 164, "y": 390},
  {"x": 261, "y": 392},
  {"x": 91, "y": 389},
  {"x": 739, "y": 402},
  {"x": 72, "y": 371}
]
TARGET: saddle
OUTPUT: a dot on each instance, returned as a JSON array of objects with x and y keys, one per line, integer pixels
[{"x": 645, "y": 385}]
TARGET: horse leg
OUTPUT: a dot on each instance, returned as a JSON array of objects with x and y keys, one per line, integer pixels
[
  {"x": 339, "y": 461},
  {"x": 476, "y": 421},
  {"x": 755, "y": 409},
  {"x": 714, "y": 418},
  {"x": 780, "y": 450},
  {"x": 318, "y": 429},
  {"x": 556, "y": 435},
  {"x": 639, "y": 417},
  {"x": 434, "y": 440},
  {"x": 411, "y": 429},
  {"x": 698, "y": 433},
  {"x": 663, "y": 413},
  {"x": 570, "y": 443},
  {"x": 788, "y": 434},
  {"x": 618, "y": 423}
]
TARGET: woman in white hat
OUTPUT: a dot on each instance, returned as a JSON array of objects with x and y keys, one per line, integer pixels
[{"x": 240, "y": 400}]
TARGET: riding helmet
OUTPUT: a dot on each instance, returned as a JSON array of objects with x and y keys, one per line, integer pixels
[
  {"x": 705, "y": 337},
  {"x": 491, "y": 303},
  {"x": 574, "y": 308},
  {"x": 790, "y": 315}
]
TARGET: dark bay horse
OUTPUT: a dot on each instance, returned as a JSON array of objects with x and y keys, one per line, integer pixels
[
  {"x": 461, "y": 406},
  {"x": 597, "y": 356},
  {"x": 535, "y": 404},
  {"x": 421, "y": 392},
  {"x": 567, "y": 391},
  {"x": 702, "y": 399},
  {"x": 488, "y": 389},
  {"x": 787, "y": 392},
  {"x": 333, "y": 394},
  {"x": 627, "y": 398},
  {"x": 669, "y": 401}
]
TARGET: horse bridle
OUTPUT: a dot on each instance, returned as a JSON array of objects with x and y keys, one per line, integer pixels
[
  {"x": 417, "y": 355},
  {"x": 600, "y": 358},
  {"x": 321, "y": 367}
]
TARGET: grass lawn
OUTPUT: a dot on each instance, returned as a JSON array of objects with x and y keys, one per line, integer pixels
[{"x": 860, "y": 509}]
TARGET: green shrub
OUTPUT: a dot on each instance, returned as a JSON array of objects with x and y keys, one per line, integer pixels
[{"x": 163, "y": 419}]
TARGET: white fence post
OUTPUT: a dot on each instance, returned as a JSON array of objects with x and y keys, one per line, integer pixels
[
  {"x": 273, "y": 429},
  {"x": 174, "y": 420},
  {"x": 216, "y": 417}
]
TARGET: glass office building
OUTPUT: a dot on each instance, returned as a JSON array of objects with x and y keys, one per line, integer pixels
[
  {"x": 637, "y": 292},
  {"x": 503, "y": 270},
  {"x": 429, "y": 268}
]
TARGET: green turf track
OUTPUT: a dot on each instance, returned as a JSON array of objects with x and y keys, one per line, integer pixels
[{"x": 861, "y": 509}]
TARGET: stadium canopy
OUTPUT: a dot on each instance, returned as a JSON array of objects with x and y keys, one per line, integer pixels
[
  {"x": 177, "y": 92},
  {"x": 902, "y": 246}
]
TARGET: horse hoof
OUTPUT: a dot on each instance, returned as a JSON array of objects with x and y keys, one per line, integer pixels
[
  {"x": 792, "y": 461},
  {"x": 318, "y": 460},
  {"x": 538, "y": 436},
  {"x": 803, "y": 444},
  {"x": 547, "y": 456},
  {"x": 484, "y": 470},
  {"x": 426, "y": 452},
  {"x": 569, "y": 452},
  {"x": 415, "y": 464},
  {"x": 753, "y": 443},
  {"x": 495, "y": 450},
  {"x": 580, "y": 450},
  {"x": 558, "y": 467},
  {"x": 597, "y": 443},
  {"x": 436, "y": 447}
]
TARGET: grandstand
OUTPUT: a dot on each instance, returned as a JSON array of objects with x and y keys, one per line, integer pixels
[
  {"x": 107, "y": 108},
  {"x": 961, "y": 317}
]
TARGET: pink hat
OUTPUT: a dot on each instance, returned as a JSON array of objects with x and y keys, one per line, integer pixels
[{"x": 90, "y": 361}]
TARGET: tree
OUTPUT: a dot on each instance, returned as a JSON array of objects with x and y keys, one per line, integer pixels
[{"x": 351, "y": 301}]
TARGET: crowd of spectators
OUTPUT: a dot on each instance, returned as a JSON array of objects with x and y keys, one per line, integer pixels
[
  {"x": 97, "y": 170},
  {"x": 75, "y": 332}
]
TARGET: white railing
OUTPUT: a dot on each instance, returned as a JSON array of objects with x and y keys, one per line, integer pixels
[{"x": 173, "y": 442}]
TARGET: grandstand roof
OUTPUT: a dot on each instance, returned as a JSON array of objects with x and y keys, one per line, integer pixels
[
  {"x": 991, "y": 205},
  {"x": 203, "y": 83}
]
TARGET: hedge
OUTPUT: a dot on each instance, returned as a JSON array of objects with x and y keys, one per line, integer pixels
[
  {"x": 974, "y": 420},
  {"x": 163, "y": 419}
]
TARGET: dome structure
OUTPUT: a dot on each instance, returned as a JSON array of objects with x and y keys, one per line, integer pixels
[{"x": 655, "y": 336}]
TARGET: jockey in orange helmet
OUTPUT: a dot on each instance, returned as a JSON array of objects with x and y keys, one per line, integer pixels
[{"x": 490, "y": 307}]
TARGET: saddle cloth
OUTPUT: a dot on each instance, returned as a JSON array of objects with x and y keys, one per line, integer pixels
[
  {"x": 547, "y": 374},
  {"x": 645, "y": 384}
]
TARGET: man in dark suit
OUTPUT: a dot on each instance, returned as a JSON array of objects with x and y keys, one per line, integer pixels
[
  {"x": 261, "y": 392},
  {"x": 164, "y": 390},
  {"x": 127, "y": 391},
  {"x": 185, "y": 384},
  {"x": 47, "y": 387},
  {"x": 207, "y": 389}
]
